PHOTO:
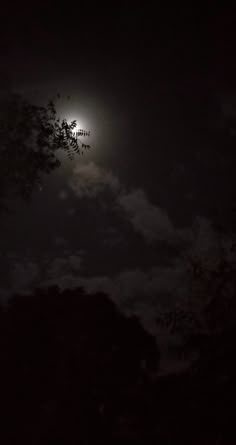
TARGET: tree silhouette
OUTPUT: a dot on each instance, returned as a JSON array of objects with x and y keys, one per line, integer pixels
[
  {"x": 69, "y": 363},
  {"x": 30, "y": 137},
  {"x": 208, "y": 329},
  {"x": 75, "y": 370}
]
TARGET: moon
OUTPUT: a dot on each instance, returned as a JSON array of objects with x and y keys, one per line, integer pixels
[
  {"x": 92, "y": 114},
  {"x": 81, "y": 122}
]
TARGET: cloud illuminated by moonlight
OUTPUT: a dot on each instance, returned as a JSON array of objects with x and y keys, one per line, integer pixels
[{"x": 88, "y": 180}]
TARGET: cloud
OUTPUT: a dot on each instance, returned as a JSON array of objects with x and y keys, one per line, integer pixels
[
  {"x": 135, "y": 290},
  {"x": 24, "y": 275},
  {"x": 63, "y": 194},
  {"x": 130, "y": 286},
  {"x": 99, "y": 284},
  {"x": 151, "y": 221},
  {"x": 88, "y": 180},
  {"x": 147, "y": 219},
  {"x": 62, "y": 266},
  {"x": 60, "y": 241}
]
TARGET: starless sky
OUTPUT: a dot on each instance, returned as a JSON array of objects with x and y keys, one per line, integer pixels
[{"x": 156, "y": 87}]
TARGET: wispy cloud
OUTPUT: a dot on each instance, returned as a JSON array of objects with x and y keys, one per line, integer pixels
[
  {"x": 146, "y": 218},
  {"x": 88, "y": 180},
  {"x": 149, "y": 220}
]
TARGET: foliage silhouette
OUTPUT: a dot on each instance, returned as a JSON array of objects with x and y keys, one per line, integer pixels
[
  {"x": 30, "y": 137},
  {"x": 212, "y": 296}
]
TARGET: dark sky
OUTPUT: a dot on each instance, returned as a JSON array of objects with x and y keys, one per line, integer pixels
[{"x": 157, "y": 89}]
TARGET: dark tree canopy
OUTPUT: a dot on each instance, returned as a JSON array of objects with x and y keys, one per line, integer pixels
[
  {"x": 74, "y": 370},
  {"x": 69, "y": 363}
]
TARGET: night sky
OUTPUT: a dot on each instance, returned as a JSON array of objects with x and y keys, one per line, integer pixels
[{"x": 157, "y": 90}]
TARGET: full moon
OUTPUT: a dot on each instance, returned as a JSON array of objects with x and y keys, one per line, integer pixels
[
  {"x": 92, "y": 114},
  {"x": 81, "y": 122}
]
